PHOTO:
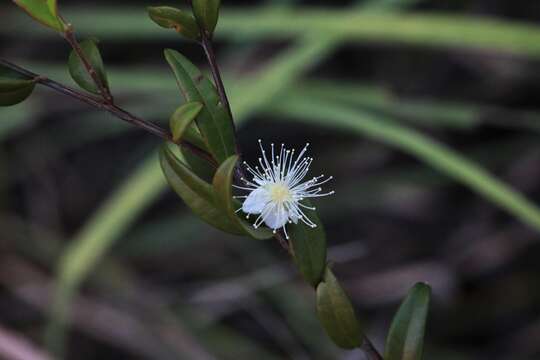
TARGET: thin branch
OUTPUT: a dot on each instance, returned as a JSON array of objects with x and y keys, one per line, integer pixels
[
  {"x": 109, "y": 107},
  {"x": 69, "y": 35},
  {"x": 206, "y": 44},
  {"x": 216, "y": 74}
]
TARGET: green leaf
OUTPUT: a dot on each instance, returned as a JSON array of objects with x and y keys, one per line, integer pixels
[
  {"x": 14, "y": 91},
  {"x": 173, "y": 18},
  {"x": 207, "y": 13},
  {"x": 44, "y": 11},
  {"x": 187, "y": 176},
  {"x": 199, "y": 166},
  {"x": 309, "y": 247},
  {"x": 183, "y": 118},
  {"x": 14, "y": 87},
  {"x": 53, "y": 7},
  {"x": 213, "y": 121},
  {"x": 196, "y": 193},
  {"x": 336, "y": 313},
  {"x": 78, "y": 71},
  {"x": 224, "y": 199},
  {"x": 405, "y": 339}
]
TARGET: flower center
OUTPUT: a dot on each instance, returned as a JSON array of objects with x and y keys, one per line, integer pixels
[{"x": 279, "y": 193}]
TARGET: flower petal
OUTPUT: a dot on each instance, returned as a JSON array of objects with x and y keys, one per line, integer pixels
[
  {"x": 256, "y": 201},
  {"x": 276, "y": 217}
]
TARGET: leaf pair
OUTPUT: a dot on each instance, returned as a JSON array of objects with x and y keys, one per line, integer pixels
[
  {"x": 405, "y": 339},
  {"x": 14, "y": 87},
  {"x": 44, "y": 11}
]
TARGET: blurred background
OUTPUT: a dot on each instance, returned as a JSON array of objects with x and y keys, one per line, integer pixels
[{"x": 426, "y": 113}]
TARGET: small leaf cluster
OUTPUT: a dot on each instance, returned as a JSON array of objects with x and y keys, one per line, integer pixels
[
  {"x": 85, "y": 63},
  {"x": 203, "y": 125}
]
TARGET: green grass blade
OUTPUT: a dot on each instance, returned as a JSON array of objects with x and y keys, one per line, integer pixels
[{"x": 119, "y": 211}]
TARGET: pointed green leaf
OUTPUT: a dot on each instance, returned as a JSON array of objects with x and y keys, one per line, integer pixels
[
  {"x": 336, "y": 313},
  {"x": 213, "y": 121},
  {"x": 173, "y": 18},
  {"x": 405, "y": 339},
  {"x": 197, "y": 194},
  {"x": 309, "y": 248},
  {"x": 207, "y": 13},
  {"x": 183, "y": 117},
  {"x": 78, "y": 71},
  {"x": 224, "y": 199},
  {"x": 44, "y": 11},
  {"x": 14, "y": 87}
]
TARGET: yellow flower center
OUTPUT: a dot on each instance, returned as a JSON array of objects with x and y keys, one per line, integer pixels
[{"x": 279, "y": 193}]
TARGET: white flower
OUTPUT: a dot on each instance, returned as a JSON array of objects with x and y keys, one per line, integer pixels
[{"x": 276, "y": 190}]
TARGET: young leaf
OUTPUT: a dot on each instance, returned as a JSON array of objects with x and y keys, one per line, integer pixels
[
  {"x": 44, "y": 11},
  {"x": 207, "y": 13},
  {"x": 197, "y": 194},
  {"x": 183, "y": 117},
  {"x": 405, "y": 339},
  {"x": 309, "y": 248},
  {"x": 213, "y": 121},
  {"x": 14, "y": 87},
  {"x": 172, "y": 18},
  {"x": 224, "y": 199},
  {"x": 78, "y": 71},
  {"x": 336, "y": 313}
]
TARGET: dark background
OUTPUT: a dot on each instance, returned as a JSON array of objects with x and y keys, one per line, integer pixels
[{"x": 169, "y": 286}]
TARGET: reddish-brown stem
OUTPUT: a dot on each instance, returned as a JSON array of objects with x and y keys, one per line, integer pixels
[
  {"x": 69, "y": 35},
  {"x": 216, "y": 74},
  {"x": 109, "y": 107}
]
